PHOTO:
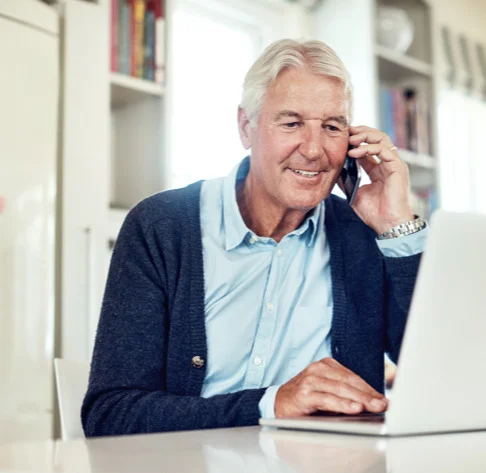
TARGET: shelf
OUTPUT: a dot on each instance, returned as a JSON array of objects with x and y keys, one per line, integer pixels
[
  {"x": 419, "y": 160},
  {"x": 395, "y": 66},
  {"x": 126, "y": 90}
]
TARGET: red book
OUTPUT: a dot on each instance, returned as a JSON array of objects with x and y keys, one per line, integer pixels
[{"x": 114, "y": 35}]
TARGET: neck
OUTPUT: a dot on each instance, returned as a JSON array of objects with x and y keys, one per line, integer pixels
[{"x": 265, "y": 220}]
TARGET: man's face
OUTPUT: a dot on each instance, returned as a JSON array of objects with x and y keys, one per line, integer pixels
[{"x": 300, "y": 142}]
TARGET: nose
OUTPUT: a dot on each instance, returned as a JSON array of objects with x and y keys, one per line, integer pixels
[{"x": 311, "y": 145}]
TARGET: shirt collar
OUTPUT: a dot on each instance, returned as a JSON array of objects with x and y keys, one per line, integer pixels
[{"x": 234, "y": 227}]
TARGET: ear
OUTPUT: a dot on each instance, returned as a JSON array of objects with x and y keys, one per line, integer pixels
[{"x": 244, "y": 128}]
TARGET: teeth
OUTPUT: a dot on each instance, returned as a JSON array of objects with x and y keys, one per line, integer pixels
[{"x": 306, "y": 173}]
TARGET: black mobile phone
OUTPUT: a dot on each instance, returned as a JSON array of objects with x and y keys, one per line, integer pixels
[{"x": 350, "y": 178}]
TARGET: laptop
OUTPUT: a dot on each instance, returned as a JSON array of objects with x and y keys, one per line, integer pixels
[{"x": 441, "y": 379}]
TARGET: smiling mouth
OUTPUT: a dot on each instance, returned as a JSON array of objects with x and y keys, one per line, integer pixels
[{"x": 304, "y": 173}]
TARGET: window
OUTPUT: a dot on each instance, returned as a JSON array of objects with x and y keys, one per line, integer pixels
[{"x": 213, "y": 47}]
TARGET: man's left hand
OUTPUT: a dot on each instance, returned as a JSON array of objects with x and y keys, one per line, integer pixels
[{"x": 384, "y": 203}]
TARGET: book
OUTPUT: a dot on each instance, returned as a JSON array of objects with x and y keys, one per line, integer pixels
[
  {"x": 399, "y": 117},
  {"x": 137, "y": 34},
  {"x": 159, "y": 42},
  {"x": 114, "y": 36},
  {"x": 149, "y": 42},
  {"x": 386, "y": 112},
  {"x": 405, "y": 118},
  {"x": 124, "y": 38}
]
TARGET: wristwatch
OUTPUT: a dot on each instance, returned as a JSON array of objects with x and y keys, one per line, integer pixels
[{"x": 404, "y": 229}]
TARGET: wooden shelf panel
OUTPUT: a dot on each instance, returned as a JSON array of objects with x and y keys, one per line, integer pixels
[
  {"x": 395, "y": 66},
  {"x": 126, "y": 90},
  {"x": 419, "y": 160}
]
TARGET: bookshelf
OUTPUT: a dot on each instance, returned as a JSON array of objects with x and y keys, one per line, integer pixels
[
  {"x": 137, "y": 45},
  {"x": 396, "y": 65},
  {"x": 127, "y": 90},
  {"x": 410, "y": 119},
  {"x": 390, "y": 84},
  {"x": 112, "y": 157},
  {"x": 414, "y": 159}
]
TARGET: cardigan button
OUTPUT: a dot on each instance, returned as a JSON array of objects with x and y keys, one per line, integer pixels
[{"x": 197, "y": 362}]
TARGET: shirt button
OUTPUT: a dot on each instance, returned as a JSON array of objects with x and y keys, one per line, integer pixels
[
  {"x": 269, "y": 306},
  {"x": 257, "y": 360},
  {"x": 253, "y": 239},
  {"x": 279, "y": 252},
  {"x": 197, "y": 362}
]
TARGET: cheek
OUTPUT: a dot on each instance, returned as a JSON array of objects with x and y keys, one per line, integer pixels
[
  {"x": 276, "y": 147},
  {"x": 337, "y": 152}
]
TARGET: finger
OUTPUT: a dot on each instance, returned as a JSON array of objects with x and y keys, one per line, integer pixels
[
  {"x": 369, "y": 135},
  {"x": 346, "y": 391},
  {"x": 383, "y": 152},
  {"x": 332, "y": 369},
  {"x": 330, "y": 403}
]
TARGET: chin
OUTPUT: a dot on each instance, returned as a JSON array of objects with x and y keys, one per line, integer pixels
[
  {"x": 307, "y": 200},
  {"x": 304, "y": 203}
]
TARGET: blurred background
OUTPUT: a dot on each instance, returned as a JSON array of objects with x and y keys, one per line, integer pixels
[{"x": 105, "y": 102}]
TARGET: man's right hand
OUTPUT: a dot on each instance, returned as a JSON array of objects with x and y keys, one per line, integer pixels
[{"x": 328, "y": 386}]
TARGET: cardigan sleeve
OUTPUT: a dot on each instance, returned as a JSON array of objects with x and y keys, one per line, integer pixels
[
  {"x": 401, "y": 274},
  {"x": 127, "y": 391}
]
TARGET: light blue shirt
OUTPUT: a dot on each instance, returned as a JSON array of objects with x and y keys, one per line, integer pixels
[{"x": 268, "y": 305}]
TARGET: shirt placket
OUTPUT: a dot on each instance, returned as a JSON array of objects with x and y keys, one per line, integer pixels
[{"x": 259, "y": 357}]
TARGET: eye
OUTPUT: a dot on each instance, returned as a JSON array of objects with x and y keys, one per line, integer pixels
[
  {"x": 291, "y": 124},
  {"x": 331, "y": 127}
]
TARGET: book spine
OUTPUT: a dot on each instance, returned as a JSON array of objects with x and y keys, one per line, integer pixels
[
  {"x": 386, "y": 108},
  {"x": 411, "y": 122},
  {"x": 423, "y": 131},
  {"x": 114, "y": 35},
  {"x": 138, "y": 38},
  {"x": 399, "y": 118},
  {"x": 159, "y": 42},
  {"x": 133, "y": 70},
  {"x": 123, "y": 37},
  {"x": 149, "y": 42}
]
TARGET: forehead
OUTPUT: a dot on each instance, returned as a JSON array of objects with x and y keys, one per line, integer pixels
[{"x": 306, "y": 93}]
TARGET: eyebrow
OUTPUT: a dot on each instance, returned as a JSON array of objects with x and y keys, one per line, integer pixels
[{"x": 289, "y": 113}]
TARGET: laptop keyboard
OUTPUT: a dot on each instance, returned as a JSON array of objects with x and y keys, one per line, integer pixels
[
  {"x": 370, "y": 417},
  {"x": 366, "y": 417}
]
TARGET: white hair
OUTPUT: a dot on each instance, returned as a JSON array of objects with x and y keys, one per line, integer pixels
[{"x": 315, "y": 56}]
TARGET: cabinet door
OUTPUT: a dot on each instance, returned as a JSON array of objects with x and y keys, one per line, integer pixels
[
  {"x": 85, "y": 167},
  {"x": 28, "y": 152}
]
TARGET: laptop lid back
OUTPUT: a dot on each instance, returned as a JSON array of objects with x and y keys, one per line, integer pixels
[{"x": 441, "y": 379}]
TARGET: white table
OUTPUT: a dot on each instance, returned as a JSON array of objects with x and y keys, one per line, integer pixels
[{"x": 250, "y": 449}]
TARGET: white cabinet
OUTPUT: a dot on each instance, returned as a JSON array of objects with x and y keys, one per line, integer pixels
[
  {"x": 84, "y": 172},
  {"x": 29, "y": 86},
  {"x": 111, "y": 145}
]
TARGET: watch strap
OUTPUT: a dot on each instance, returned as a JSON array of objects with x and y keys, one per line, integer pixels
[{"x": 404, "y": 229}]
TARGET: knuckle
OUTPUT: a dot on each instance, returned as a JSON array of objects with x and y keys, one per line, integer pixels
[
  {"x": 305, "y": 385},
  {"x": 328, "y": 362}
]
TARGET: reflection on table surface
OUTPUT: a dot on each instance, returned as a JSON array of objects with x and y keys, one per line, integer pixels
[{"x": 250, "y": 449}]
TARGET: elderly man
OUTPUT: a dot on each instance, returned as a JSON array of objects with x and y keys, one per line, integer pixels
[{"x": 261, "y": 294}]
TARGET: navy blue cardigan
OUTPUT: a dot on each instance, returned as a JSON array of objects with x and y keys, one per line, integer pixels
[{"x": 152, "y": 321}]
